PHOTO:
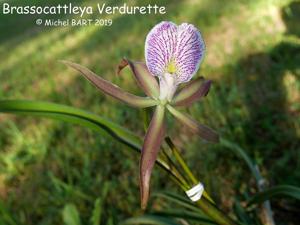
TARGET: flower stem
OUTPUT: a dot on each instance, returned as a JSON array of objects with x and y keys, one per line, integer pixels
[
  {"x": 216, "y": 214},
  {"x": 181, "y": 161},
  {"x": 184, "y": 166},
  {"x": 206, "y": 203},
  {"x": 175, "y": 169}
]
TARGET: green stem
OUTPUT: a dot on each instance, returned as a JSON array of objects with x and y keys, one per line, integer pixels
[
  {"x": 184, "y": 166},
  {"x": 213, "y": 212},
  {"x": 174, "y": 168},
  {"x": 181, "y": 161},
  {"x": 205, "y": 203},
  {"x": 175, "y": 175}
]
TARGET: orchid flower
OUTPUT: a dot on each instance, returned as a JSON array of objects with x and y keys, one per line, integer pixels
[{"x": 173, "y": 55}]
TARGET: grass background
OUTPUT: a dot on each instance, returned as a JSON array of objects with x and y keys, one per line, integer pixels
[{"x": 253, "y": 57}]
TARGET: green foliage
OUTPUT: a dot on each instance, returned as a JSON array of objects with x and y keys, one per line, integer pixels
[
  {"x": 70, "y": 215},
  {"x": 252, "y": 58},
  {"x": 96, "y": 216},
  {"x": 72, "y": 115},
  {"x": 277, "y": 191},
  {"x": 98, "y": 206},
  {"x": 153, "y": 220}
]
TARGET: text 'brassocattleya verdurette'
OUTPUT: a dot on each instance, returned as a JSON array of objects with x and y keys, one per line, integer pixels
[{"x": 173, "y": 54}]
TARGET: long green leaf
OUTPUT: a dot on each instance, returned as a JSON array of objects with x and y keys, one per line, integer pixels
[
  {"x": 77, "y": 116},
  {"x": 183, "y": 214},
  {"x": 277, "y": 191},
  {"x": 73, "y": 115},
  {"x": 178, "y": 199},
  {"x": 205, "y": 207}
]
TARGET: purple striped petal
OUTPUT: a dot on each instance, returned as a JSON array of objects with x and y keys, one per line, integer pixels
[{"x": 177, "y": 50}]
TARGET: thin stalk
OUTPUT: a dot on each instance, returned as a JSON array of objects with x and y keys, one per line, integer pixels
[
  {"x": 206, "y": 204},
  {"x": 174, "y": 167},
  {"x": 181, "y": 161},
  {"x": 178, "y": 182},
  {"x": 213, "y": 212},
  {"x": 175, "y": 176},
  {"x": 184, "y": 166}
]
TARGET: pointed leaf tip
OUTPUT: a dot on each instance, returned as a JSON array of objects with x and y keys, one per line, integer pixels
[
  {"x": 202, "y": 130},
  {"x": 152, "y": 142},
  {"x": 192, "y": 92},
  {"x": 143, "y": 77},
  {"x": 110, "y": 88}
]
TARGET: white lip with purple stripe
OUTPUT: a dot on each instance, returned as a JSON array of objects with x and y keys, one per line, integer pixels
[{"x": 173, "y": 53}]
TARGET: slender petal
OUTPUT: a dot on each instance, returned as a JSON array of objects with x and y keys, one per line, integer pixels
[
  {"x": 202, "y": 130},
  {"x": 192, "y": 92},
  {"x": 176, "y": 50},
  {"x": 111, "y": 89},
  {"x": 143, "y": 77},
  {"x": 151, "y": 146}
]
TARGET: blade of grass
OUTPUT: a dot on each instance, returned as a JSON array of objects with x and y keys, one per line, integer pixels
[
  {"x": 70, "y": 215},
  {"x": 280, "y": 190}
]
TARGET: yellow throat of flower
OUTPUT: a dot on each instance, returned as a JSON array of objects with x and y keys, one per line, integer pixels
[{"x": 171, "y": 68}]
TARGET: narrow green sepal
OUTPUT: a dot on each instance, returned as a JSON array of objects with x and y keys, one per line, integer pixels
[
  {"x": 202, "y": 130},
  {"x": 112, "y": 89},
  {"x": 152, "y": 142}
]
